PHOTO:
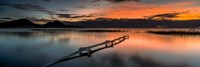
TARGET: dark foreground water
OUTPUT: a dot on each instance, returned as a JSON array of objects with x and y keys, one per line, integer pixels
[{"x": 36, "y": 47}]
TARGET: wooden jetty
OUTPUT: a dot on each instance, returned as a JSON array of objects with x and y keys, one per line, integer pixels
[
  {"x": 107, "y": 43},
  {"x": 88, "y": 51}
]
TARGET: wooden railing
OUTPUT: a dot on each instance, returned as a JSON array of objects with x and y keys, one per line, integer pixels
[
  {"x": 88, "y": 51},
  {"x": 107, "y": 43}
]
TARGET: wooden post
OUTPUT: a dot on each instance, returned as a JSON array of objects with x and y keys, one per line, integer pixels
[{"x": 109, "y": 44}]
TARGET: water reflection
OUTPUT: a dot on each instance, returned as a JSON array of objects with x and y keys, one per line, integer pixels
[
  {"x": 35, "y": 48},
  {"x": 147, "y": 62}
]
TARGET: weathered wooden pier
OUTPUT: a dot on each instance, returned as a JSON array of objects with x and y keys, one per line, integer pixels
[
  {"x": 88, "y": 51},
  {"x": 107, "y": 43}
]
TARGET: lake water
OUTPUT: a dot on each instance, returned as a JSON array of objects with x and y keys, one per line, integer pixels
[{"x": 37, "y": 47}]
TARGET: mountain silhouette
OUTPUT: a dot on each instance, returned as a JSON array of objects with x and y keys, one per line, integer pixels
[
  {"x": 137, "y": 23},
  {"x": 106, "y": 23},
  {"x": 20, "y": 23},
  {"x": 54, "y": 24},
  {"x": 58, "y": 24}
]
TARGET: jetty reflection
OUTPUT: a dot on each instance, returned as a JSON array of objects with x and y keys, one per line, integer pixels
[{"x": 88, "y": 51}]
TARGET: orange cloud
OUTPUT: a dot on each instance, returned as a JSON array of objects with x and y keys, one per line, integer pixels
[{"x": 139, "y": 10}]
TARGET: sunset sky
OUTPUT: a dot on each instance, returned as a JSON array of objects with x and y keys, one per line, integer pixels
[{"x": 76, "y": 10}]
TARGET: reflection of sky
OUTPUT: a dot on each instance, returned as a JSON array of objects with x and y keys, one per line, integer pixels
[{"x": 45, "y": 47}]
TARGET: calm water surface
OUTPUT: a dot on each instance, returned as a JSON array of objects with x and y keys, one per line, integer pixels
[{"x": 34, "y": 48}]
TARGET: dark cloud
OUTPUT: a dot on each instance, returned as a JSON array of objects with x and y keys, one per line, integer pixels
[
  {"x": 2, "y": 21},
  {"x": 82, "y": 16},
  {"x": 116, "y": 1},
  {"x": 34, "y": 19},
  {"x": 166, "y": 15},
  {"x": 82, "y": 7},
  {"x": 76, "y": 15},
  {"x": 65, "y": 15},
  {"x": 30, "y": 7},
  {"x": 63, "y": 10},
  {"x": 6, "y": 18},
  {"x": 47, "y": 0},
  {"x": 25, "y": 6}
]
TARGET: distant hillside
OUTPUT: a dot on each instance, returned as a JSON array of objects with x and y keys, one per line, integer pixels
[
  {"x": 58, "y": 24},
  {"x": 137, "y": 23},
  {"x": 20, "y": 23},
  {"x": 106, "y": 23},
  {"x": 25, "y": 23}
]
